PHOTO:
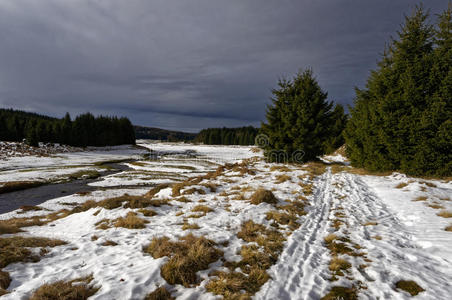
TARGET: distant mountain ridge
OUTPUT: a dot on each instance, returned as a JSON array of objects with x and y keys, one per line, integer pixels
[{"x": 152, "y": 133}]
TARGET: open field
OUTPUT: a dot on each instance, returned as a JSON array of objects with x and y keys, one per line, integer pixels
[{"x": 208, "y": 221}]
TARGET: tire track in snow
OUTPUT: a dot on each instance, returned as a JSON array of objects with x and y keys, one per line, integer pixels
[
  {"x": 302, "y": 269},
  {"x": 396, "y": 256}
]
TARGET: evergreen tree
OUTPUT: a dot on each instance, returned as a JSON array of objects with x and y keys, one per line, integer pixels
[
  {"x": 336, "y": 128},
  {"x": 400, "y": 120},
  {"x": 298, "y": 120}
]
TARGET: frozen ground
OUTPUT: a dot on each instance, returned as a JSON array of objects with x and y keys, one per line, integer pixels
[{"x": 394, "y": 237}]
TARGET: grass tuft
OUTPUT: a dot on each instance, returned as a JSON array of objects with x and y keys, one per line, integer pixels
[
  {"x": 262, "y": 195},
  {"x": 130, "y": 221},
  {"x": 338, "y": 264},
  {"x": 147, "y": 212},
  {"x": 15, "y": 249},
  {"x": 12, "y": 186},
  {"x": 330, "y": 238},
  {"x": 202, "y": 208},
  {"x": 109, "y": 243},
  {"x": 160, "y": 293},
  {"x": 187, "y": 226},
  {"x": 421, "y": 198},
  {"x": 341, "y": 292},
  {"x": 5, "y": 280},
  {"x": 445, "y": 214},
  {"x": 282, "y": 178},
  {"x": 409, "y": 286},
  {"x": 401, "y": 185},
  {"x": 77, "y": 289},
  {"x": 187, "y": 256},
  {"x": 448, "y": 228}
]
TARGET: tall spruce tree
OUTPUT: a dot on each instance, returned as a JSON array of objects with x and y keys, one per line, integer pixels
[
  {"x": 397, "y": 119},
  {"x": 298, "y": 120}
]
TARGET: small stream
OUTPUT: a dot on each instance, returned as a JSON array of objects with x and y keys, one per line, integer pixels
[{"x": 37, "y": 195}]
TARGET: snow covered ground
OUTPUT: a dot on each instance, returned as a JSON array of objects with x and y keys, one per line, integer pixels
[
  {"x": 59, "y": 166},
  {"x": 391, "y": 237}
]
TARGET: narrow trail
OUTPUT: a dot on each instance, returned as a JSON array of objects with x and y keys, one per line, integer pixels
[{"x": 302, "y": 271}]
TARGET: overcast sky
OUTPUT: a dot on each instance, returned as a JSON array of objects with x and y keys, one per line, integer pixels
[{"x": 185, "y": 64}]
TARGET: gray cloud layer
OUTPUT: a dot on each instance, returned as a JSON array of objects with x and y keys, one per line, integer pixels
[{"x": 185, "y": 64}]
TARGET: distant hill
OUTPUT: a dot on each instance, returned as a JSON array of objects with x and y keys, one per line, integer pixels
[{"x": 153, "y": 133}]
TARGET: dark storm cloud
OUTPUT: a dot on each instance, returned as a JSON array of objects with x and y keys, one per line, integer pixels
[{"x": 185, "y": 64}]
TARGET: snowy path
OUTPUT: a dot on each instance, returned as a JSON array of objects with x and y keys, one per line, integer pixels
[{"x": 302, "y": 272}]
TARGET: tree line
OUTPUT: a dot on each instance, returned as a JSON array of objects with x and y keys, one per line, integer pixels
[
  {"x": 152, "y": 133},
  {"x": 227, "y": 136},
  {"x": 401, "y": 120},
  {"x": 84, "y": 130}
]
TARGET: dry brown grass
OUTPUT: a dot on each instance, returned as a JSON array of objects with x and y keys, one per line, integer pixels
[
  {"x": 15, "y": 249},
  {"x": 156, "y": 190},
  {"x": 261, "y": 196},
  {"x": 409, "y": 286},
  {"x": 177, "y": 187},
  {"x": 330, "y": 238},
  {"x": 282, "y": 178},
  {"x": 26, "y": 208},
  {"x": 103, "y": 224},
  {"x": 147, "y": 212},
  {"x": 255, "y": 150},
  {"x": 279, "y": 168},
  {"x": 13, "y": 225},
  {"x": 315, "y": 168},
  {"x": 12, "y": 186},
  {"x": 187, "y": 226},
  {"x": 160, "y": 293},
  {"x": 337, "y": 245},
  {"x": 448, "y": 228},
  {"x": 435, "y": 206},
  {"x": 109, "y": 243},
  {"x": 295, "y": 207},
  {"x": 182, "y": 199},
  {"x": 429, "y": 184},
  {"x": 77, "y": 289},
  {"x": 242, "y": 168},
  {"x": 401, "y": 185},
  {"x": 202, "y": 208},
  {"x": 211, "y": 186},
  {"x": 187, "y": 256},
  {"x": 341, "y": 293},
  {"x": 272, "y": 241},
  {"x": 236, "y": 285},
  {"x": 5, "y": 280},
  {"x": 421, "y": 198},
  {"x": 6, "y": 228},
  {"x": 378, "y": 237},
  {"x": 307, "y": 188},
  {"x": 256, "y": 259},
  {"x": 445, "y": 214},
  {"x": 283, "y": 218},
  {"x": 194, "y": 190},
  {"x": 338, "y": 265},
  {"x": 130, "y": 221}
]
